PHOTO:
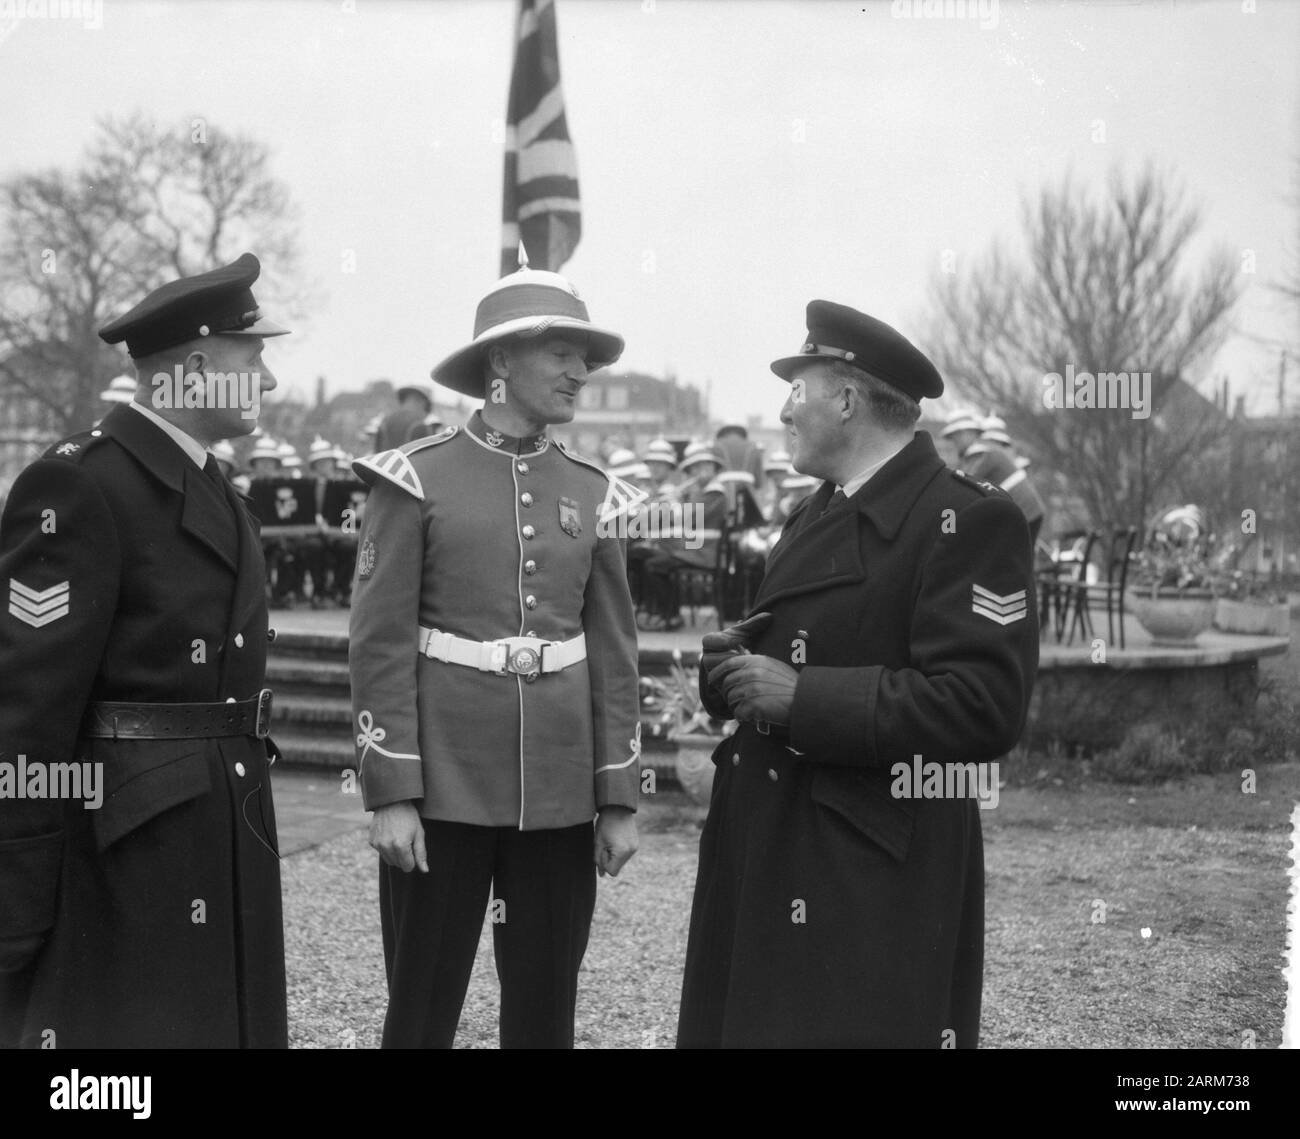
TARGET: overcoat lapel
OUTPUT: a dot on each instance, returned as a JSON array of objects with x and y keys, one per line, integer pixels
[
  {"x": 250, "y": 586},
  {"x": 167, "y": 463},
  {"x": 823, "y": 550},
  {"x": 200, "y": 521}
]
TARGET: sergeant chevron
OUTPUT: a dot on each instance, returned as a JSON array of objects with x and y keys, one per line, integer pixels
[{"x": 37, "y": 780}]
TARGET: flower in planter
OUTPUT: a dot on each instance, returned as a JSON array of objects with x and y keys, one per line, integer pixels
[
  {"x": 1252, "y": 589},
  {"x": 671, "y": 706},
  {"x": 1179, "y": 558}
]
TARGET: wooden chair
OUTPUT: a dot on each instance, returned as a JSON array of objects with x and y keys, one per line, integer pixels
[
  {"x": 1060, "y": 588},
  {"x": 1109, "y": 592}
]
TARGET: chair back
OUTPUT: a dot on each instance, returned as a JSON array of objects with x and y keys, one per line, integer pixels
[
  {"x": 1085, "y": 558},
  {"x": 1121, "y": 554}
]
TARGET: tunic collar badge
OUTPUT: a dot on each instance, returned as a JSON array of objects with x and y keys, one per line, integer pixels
[{"x": 500, "y": 441}]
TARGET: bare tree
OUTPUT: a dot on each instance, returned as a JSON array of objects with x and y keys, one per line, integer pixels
[
  {"x": 79, "y": 247},
  {"x": 1100, "y": 290}
]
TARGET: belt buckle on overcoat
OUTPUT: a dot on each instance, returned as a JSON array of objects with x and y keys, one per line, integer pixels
[{"x": 263, "y": 726}]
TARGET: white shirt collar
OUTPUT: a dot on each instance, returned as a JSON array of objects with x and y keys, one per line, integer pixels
[
  {"x": 858, "y": 481},
  {"x": 192, "y": 447}
]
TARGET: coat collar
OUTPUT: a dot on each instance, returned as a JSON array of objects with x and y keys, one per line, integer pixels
[
  {"x": 500, "y": 441},
  {"x": 889, "y": 496},
  {"x": 149, "y": 445},
  {"x": 166, "y": 462},
  {"x": 818, "y": 550}
]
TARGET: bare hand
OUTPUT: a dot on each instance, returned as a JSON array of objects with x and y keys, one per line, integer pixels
[
  {"x": 756, "y": 689},
  {"x": 397, "y": 832},
  {"x": 616, "y": 839}
]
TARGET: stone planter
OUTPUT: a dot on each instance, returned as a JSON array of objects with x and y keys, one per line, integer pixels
[
  {"x": 1251, "y": 618},
  {"x": 1174, "y": 620},
  {"x": 694, "y": 765}
]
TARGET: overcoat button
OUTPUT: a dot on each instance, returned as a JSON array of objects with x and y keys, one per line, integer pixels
[
  {"x": 528, "y": 532},
  {"x": 526, "y": 499},
  {"x": 522, "y": 468},
  {"x": 230, "y": 699},
  {"x": 530, "y": 633},
  {"x": 735, "y": 760},
  {"x": 270, "y": 634},
  {"x": 530, "y": 601},
  {"x": 239, "y": 770},
  {"x": 771, "y": 774},
  {"x": 530, "y": 566},
  {"x": 239, "y": 640}
]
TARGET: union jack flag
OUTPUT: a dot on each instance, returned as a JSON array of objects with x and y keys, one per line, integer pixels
[{"x": 540, "y": 204}]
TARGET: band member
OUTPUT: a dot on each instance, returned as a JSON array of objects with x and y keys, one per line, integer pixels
[
  {"x": 494, "y": 678},
  {"x": 705, "y": 504}
]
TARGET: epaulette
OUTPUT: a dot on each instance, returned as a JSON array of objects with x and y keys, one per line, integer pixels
[
  {"x": 428, "y": 440},
  {"x": 564, "y": 450},
  {"x": 983, "y": 487},
  {"x": 395, "y": 467},
  {"x": 73, "y": 447}
]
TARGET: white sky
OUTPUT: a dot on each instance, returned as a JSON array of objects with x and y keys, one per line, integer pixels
[{"x": 737, "y": 157}]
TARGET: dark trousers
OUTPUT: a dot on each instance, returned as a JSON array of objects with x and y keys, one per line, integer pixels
[{"x": 543, "y": 885}]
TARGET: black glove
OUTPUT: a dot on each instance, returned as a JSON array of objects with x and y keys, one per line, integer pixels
[{"x": 717, "y": 647}]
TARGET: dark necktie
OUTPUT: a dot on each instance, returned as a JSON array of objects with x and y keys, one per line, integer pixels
[
  {"x": 225, "y": 491},
  {"x": 838, "y": 497}
]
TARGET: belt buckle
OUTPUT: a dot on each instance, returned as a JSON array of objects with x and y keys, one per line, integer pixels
[
  {"x": 263, "y": 726},
  {"x": 525, "y": 661}
]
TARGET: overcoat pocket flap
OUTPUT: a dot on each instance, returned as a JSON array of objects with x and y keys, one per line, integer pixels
[
  {"x": 29, "y": 879},
  {"x": 143, "y": 778},
  {"x": 862, "y": 798}
]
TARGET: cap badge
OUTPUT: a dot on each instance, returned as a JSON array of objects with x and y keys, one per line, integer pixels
[{"x": 570, "y": 517}]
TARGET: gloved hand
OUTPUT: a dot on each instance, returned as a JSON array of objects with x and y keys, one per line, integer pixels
[{"x": 732, "y": 641}]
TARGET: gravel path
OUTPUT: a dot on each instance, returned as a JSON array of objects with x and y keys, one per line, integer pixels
[{"x": 1199, "y": 864}]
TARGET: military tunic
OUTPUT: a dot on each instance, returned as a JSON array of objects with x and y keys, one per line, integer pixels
[
  {"x": 484, "y": 536},
  {"x": 827, "y": 910},
  {"x": 153, "y": 920},
  {"x": 989, "y": 463}
]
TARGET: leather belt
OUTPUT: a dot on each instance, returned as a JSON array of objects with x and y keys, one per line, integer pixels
[
  {"x": 127, "y": 720},
  {"x": 528, "y": 657}
]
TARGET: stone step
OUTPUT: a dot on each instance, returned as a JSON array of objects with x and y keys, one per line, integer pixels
[
  {"x": 333, "y": 648},
  {"x": 304, "y": 749},
  {"x": 316, "y": 646},
  {"x": 305, "y": 676},
  {"x": 321, "y": 711}
]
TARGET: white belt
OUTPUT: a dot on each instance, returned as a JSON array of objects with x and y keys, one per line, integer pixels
[{"x": 528, "y": 657}]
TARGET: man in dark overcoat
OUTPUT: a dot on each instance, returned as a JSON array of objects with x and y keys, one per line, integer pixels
[
  {"x": 139, "y": 877},
  {"x": 838, "y": 903}
]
